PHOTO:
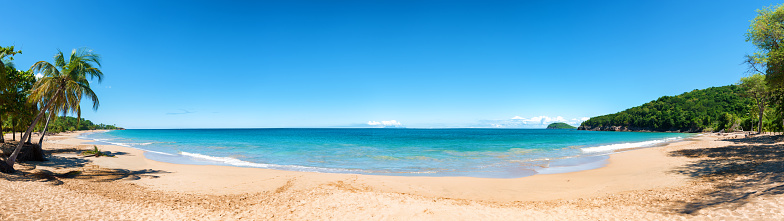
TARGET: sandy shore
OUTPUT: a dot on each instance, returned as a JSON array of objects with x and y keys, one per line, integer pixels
[{"x": 707, "y": 177}]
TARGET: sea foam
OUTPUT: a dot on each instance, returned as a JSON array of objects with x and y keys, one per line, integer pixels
[
  {"x": 621, "y": 146},
  {"x": 410, "y": 152},
  {"x": 242, "y": 163}
]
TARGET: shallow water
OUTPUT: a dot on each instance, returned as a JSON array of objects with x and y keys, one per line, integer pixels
[{"x": 497, "y": 153}]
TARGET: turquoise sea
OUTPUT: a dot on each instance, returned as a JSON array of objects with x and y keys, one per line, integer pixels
[{"x": 497, "y": 153}]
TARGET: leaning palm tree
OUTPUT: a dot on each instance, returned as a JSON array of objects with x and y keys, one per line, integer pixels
[
  {"x": 63, "y": 84},
  {"x": 62, "y": 107}
]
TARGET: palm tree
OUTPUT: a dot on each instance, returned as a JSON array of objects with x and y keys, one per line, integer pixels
[
  {"x": 62, "y": 107},
  {"x": 62, "y": 85}
]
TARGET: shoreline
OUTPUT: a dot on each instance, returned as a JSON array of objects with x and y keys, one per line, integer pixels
[
  {"x": 592, "y": 157},
  {"x": 548, "y": 186},
  {"x": 649, "y": 183}
]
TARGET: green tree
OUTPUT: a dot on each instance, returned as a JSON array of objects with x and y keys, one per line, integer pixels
[
  {"x": 754, "y": 86},
  {"x": 726, "y": 122},
  {"x": 14, "y": 95},
  {"x": 6, "y": 56},
  {"x": 693, "y": 111},
  {"x": 766, "y": 32},
  {"x": 63, "y": 83}
]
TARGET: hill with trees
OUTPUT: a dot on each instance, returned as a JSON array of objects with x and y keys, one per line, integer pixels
[
  {"x": 755, "y": 103},
  {"x": 712, "y": 109},
  {"x": 560, "y": 125}
]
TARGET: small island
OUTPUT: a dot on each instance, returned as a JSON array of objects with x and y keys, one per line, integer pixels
[{"x": 560, "y": 125}]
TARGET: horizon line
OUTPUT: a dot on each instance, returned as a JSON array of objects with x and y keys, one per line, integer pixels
[{"x": 537, "y": 128}]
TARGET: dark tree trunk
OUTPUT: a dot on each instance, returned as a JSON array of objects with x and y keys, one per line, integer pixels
[
  {"x": 759, "y": 125},
  {"x": 13, "y": 129},
  {"x": 12, "y": 159},
  {"x": 2, "y": 136},
  {"x": 43, "y": 132},
  {"x": 29, "y": 139}
]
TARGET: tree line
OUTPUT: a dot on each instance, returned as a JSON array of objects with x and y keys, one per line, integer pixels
[
  {"x": 67, "y": 123},
  {"x": 755, "y": 103},
  {"x": 711, "y": 109},
  {"x": 36, "y": 103}
]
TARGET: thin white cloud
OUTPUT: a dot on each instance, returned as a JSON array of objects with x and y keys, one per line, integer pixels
[
  {"x": 532, "y": 122},
  {"x": 182, "y": 111},
  {"x": 385, "y": 123},
  {"x": 38, "y": 76},
  {"x": 539, "y": 119}
]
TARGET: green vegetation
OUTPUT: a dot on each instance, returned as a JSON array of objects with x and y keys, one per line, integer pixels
[
  {"x": 25, "y": 100},
  {"x": 754, "y": 87},
  {"x": 766, "y": 33},
  {"x": 745, "y": 106},
  {"x": 67, "y": 123},
  {"x": 714, "y": 108},
  {"x": 95, "y": 152},
  {"x": 560, "y": 125}
]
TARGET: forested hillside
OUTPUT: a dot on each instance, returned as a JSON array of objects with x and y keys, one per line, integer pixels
[
  {"x": 710, "y": 109},
  {"x": 560, "y": 125}
]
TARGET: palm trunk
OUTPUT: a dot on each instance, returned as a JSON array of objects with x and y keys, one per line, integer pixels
[
  {"x": 13, "y": 128},
  {"x": 759, "y": 125},
  {"x": 43, "y": 132},
  {"x": 2, "y": 136},
  {"x": 12, "y": 159}
]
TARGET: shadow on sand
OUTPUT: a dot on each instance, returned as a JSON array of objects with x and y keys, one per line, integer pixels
[
  {"x": 738, "y": 173},
  {"x": 94, "y": 175},
  {"x": 758, "y": 139},
  {"x": 74, "y": 167}
]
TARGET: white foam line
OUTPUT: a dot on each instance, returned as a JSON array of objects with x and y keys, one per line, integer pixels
[
  {"x": 228, "y": 160},
  {"x": 152, "y": 151},
  {"x": 241, "y": 163},
  {"x": 620, "y": 146},
  {"x": 129, "y": 145}
]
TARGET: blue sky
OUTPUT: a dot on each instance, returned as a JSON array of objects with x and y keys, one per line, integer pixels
[{"x": 215, "y": 64}]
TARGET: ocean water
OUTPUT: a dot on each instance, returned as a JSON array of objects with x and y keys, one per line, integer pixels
[{"x": 496, "y": 153}]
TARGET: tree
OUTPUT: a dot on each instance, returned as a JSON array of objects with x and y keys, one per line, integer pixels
[
  {"x": 63, "y": 106},
  {"x": 766, "y": 32},
  {"x": 14, "y": 95},
  {"x": 693, "y": 111},
  {"x": 64, "y": 83},
  {"x": 754, "y": 86},
  {"x": 6, "y": 56}
]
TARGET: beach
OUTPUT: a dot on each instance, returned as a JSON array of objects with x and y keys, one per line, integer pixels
[{"x": 705, "y": 177}]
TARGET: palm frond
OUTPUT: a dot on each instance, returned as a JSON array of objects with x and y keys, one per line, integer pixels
[{"x": 69, "y": 77}]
